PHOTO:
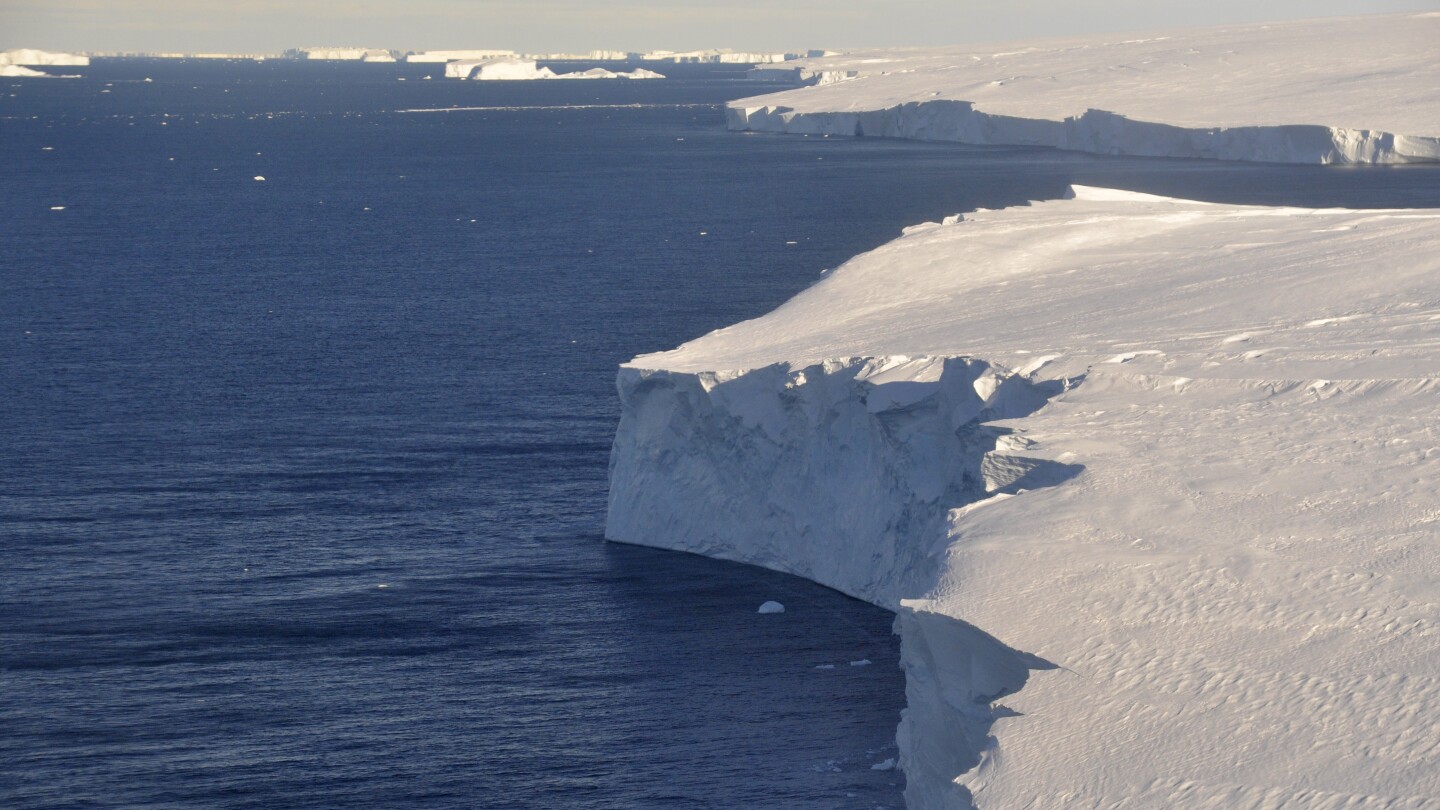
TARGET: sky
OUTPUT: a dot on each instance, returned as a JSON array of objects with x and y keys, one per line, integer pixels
[{"x": 259, "y": 26}]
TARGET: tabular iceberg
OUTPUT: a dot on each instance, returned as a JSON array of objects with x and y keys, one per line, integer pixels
[
  {"x": 497, "y": 70},
  {"x": 31, "y": 57},
  {"x": 1359, "y": 90},
  {"x": 602, "y": 73},
  {"x": 1149, "y": 482},
  {"x": 527, "y": 70}
]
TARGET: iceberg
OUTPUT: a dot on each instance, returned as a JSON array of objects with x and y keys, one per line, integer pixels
[
  {"x": 30, "y": 57},
  {"x": 497, "y": 70},
  {"x": 18, "y": 72},
  {"x": 526, "y": 70},
  {"x": 1351, "y": 90},
  {"x": 349, "y": 54},
  {"x": 1149, "y": 484},
  {"x": 602, "y": 73}
]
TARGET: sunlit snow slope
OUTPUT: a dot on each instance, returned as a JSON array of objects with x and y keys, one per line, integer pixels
[
  {"x": 1358, "y": 90},
  {"x": 1151, "y": 483}
]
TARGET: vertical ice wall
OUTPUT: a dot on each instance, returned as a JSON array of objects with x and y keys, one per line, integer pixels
[{"x": 846, "y": 473}]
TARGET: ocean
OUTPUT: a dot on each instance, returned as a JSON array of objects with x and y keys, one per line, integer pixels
[{"x": 303, "y": 486}]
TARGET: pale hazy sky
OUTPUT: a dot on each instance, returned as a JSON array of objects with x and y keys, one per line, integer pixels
[{"x": 569, "y": 25}]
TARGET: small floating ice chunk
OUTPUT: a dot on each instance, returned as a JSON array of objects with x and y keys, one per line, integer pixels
[
  {"x": 259, "y": 178},
  {"x": 771, "y": 607},
  {"x": 57, "y": 208},
  {"x": 887, "y": 765},
  {"x": 863, "y": 662},
  {"x": 824, "y": 666}
]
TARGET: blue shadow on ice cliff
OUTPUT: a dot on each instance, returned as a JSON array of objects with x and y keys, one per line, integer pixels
[
  {"x": 847, "y": 472},
  {"x": 954, "y": 674}
]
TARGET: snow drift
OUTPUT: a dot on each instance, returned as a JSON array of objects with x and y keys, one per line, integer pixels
[
  {"x": 1150, "y": 484},
  {"x": 1360, "y": 90}
]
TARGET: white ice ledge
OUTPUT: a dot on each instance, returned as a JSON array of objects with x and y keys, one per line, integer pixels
[
  {"x": 1150, "y": 484},
  {"x": 1357, "y": 90}
]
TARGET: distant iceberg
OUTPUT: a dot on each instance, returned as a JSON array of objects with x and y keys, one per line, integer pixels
[
  {"x": 497, "y": 70},
  {"x": 602, "y": 73},
  {"x": 349, "y": 54},
  {"x": 14, "y": 63},
  {"x": 18, "y": 72},
  {"x": 527, "y": 69}
]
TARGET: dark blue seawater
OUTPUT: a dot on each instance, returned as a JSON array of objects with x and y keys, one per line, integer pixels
[{"x": 302, "y": 481}]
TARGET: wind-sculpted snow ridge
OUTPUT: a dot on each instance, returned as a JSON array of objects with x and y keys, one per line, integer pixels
[
  {"x": 1150, "y": 483},
  {"x": 1357, "y": 90}
]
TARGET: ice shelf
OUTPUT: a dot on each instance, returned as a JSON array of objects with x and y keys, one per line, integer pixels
[
  {"x": 1150, "y": 484},
  {"x": 1353, "y": 90}
]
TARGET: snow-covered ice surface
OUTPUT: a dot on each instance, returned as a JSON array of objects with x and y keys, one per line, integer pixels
[
  {"x": 1151, "y": 484},
  {"x": 1363, "y": 89}
]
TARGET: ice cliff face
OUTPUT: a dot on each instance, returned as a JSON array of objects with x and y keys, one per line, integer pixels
[
  {"x": 846, "y": 473},
  {"x": 1095, "y": 131},
  {"x": 842, "y": 472},
  {"x": 1184, "y": 555},
  {"x": 1360, "y": 90}
]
